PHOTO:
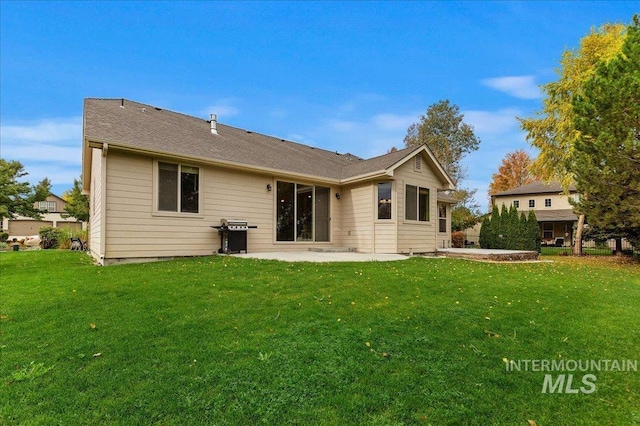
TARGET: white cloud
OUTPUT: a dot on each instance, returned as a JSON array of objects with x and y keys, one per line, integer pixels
[
  {"x": 493, "y": 122},
  {"x": 48, "y": 148},
  {"x": 523, "y": 87},
  {"x": 26, "y": 152},
  {"x": 394, "y": 122},
  {"x": 51, "y": 130},
  {"x": 221, "y": 110},
  {"x": 342, "y": 125}
]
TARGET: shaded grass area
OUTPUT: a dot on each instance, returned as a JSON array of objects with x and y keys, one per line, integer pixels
[{"x": 221, "y": 340}]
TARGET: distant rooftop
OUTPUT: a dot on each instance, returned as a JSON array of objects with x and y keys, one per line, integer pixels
[{"x": 537, "y": 187}]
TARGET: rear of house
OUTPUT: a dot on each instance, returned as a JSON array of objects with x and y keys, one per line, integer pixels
[{"x": 159, "y": 181}]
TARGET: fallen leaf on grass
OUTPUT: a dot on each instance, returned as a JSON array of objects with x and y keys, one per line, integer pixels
[
  {"x": 532, "y": 423},
  {"x": 97, "y": 355}
]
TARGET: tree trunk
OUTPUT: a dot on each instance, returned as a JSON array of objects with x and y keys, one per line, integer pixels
[
  {"x": 577, "y": 244},
  {"x": 618, "y": 246}
]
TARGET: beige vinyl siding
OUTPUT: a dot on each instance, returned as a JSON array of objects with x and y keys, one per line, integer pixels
[
  {"x": 558, "y": 201},
  {"x": 415, "y": 236},
  {"x": 96, "y": 225},
  {"x": 356, "y": 217},
  {"x": 385, "y": 237},
  {"x": 135, "y": 230}
]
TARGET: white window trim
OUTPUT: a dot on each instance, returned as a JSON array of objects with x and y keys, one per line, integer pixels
[
  {"x": 416, "y": 221},
  {"x": 295, "y": 213},
  {"x": 446, "y": 218},
  {"x": 161, "y": 213},
  {"x": 394, "y": 202}
]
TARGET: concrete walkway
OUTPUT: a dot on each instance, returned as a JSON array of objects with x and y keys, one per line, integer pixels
[{"x": 310, "y": 256}]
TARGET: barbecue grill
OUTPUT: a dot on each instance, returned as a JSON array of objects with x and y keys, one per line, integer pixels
[{"x": 233, "y": 235}]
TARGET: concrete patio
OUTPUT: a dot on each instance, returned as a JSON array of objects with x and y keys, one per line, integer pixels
[{"x": 314, "y": 256}]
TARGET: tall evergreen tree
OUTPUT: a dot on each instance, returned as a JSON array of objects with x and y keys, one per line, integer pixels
[
  {"x": 533, "y": 231},
  {"x": 18, "y": 198},
  {"x": 77, "y": 202},
  {"x": 607, "y": 150}
]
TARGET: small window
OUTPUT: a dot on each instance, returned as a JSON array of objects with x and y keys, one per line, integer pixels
[
  {"x": 178, "y": 188},
  {"x": 516, "y": 204},
  {"x": 49, "y": 206},
  {"x": 532, "y": 203},
  {"x": 417, "y": 165},
  {"x": 547, "y": 202},
  {"x": 416, "y": 203},
  {"x": 547, "y": 231},
  {"x": 384, "y": 200},
  {"x": 442, "y": 217}
]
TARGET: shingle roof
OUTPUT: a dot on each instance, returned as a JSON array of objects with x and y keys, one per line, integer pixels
[
  {"x": 145, "y": 127},
  {"x": 537, "y": 187},
  {"x": 565, "y": 215}
]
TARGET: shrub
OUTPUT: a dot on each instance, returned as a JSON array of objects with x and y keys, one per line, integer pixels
[
  {"x": 50, "y": 237},
  {"x": 457, "y": 239},
  {"x": 4, "y": 237}
]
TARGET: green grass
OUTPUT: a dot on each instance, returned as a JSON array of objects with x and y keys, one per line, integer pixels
[{"x": 221, "y": 340}]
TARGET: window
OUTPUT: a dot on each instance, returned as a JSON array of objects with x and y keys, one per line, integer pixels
[
  {"x": 442, "y": 217},
  {"x": 532, "y": 203},
  {"x": 297, "y": 206},
  {"x": 49, "y": 206},
  {"x": 516, "y": 204},
  {"x": 547, "y": 202},
  {"x": 384, "y": 200},
  {"x": 178, "y": 188},
  {"x": 547, "y": 231},
  {"x": 416, "y": 203},
  {"x": 417, "y": 164}
]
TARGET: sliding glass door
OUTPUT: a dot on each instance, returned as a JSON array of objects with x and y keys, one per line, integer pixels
[{"x": 302, "y": 212}]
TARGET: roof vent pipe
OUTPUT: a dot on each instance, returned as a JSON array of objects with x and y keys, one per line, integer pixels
[{"x": 214, "y": 124}]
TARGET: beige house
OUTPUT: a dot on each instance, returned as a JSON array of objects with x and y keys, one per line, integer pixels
[
  {"x": 550, "y": 204},
  {"x": 159, "y": 180},
  {"x": 20, "y": 227}
]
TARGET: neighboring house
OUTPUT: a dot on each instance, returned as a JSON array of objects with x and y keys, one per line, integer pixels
[
  {"x": 159, "y": 180},
  {"x": 20, "y": 226},
  {"x": 551, "y": 205}
]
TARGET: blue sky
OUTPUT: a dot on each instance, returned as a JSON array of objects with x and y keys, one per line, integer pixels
[{"x": 345, "y": 76}]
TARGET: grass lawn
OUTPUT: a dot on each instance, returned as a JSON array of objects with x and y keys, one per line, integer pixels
[{"x": 220, "y": 340}]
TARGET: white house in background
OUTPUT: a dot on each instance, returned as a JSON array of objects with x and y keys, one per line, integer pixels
[
  {"x": 159, "y": 180},
  {"x": 20, "y": 226},
  {"x": 551, "y": 205}
]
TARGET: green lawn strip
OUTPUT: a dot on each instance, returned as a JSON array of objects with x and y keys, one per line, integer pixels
[{"x": 240, "y": 341}]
